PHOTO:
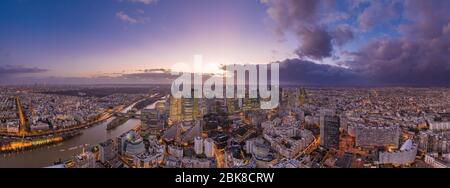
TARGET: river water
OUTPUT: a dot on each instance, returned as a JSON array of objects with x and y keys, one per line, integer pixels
[{"x": 46, "y": 156}]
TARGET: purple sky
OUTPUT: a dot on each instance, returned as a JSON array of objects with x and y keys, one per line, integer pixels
[{"x": 317, "y": 42}]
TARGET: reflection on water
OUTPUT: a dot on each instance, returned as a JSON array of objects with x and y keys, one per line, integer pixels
[
  {"x": 131, "y": 106},
  {"x": 45, "y": 156}
]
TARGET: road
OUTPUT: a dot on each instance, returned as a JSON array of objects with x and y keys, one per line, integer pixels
[{"x": 311, "y": 147}]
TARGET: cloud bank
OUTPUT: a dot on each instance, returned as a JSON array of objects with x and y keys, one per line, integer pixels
[
  {"x": 14, "y": 70},
  {"x": 415, "y": 53}
]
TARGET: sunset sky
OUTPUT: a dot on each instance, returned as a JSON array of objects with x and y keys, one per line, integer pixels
[{"x": 323, "y": 42}]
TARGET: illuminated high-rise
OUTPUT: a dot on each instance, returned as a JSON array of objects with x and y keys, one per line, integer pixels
[
  {"x": 198, "y": 145},
  {"x": 175, "y": 109},
  {"x": 187, "y": 109},
  {"x": 151, "y": 124}
]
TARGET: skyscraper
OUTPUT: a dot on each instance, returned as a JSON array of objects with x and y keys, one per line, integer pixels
[
  {"x": 150, "y": 122},
  {"x": 198, "y": 145},
  {"x": 187, "y": 109},
  {"x": 175, "y": 109},
  {"x": 106, "y": 151},
  {"x": 329, "y": 130},
  {"x": 209, "y": 147}
]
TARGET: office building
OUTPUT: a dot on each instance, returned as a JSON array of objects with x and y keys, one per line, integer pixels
[
  {"x": 151, "y": 123},
  {"x": 329, "y": 131},
  {"x": 209, "y": 147},
  {"x": 198, "y": 145},
  {"x": 106, "y": 151},
  {"x": 377, "y": 136}
]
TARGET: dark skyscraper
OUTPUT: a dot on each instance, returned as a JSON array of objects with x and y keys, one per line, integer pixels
[
  {"x": 150, "y": 123},
  {"x": 329, "y": 130}
]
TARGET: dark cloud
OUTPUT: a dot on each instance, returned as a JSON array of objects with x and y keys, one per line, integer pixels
[
  {"x": 290, "y": 14},
  {"x": 316, "y": 43},
  {"x": 306, "y": 73},
  {"x": 342, "y": 34},
  {"x": 296, "y": 71},
  {"x": 421, "y": 56},
  {"x": 145, "y": 76},
  {"x": 418, "y": 56},
  {"x": 307, "y": 20},
  {"x": 9, "y": 74},
  {"x": 129, "y": 79},
  {"x": 11, "y": 70},
  {"x": 149, "y": 76},
  {"x": 160, "y": 70},
  {"x": 17, "y": 75}
]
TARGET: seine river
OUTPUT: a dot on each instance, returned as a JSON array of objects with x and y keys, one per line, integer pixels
[{"x": 46, "y": 156}]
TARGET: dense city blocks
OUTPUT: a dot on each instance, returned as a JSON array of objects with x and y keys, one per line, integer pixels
[{"x": 312, "y": 128}]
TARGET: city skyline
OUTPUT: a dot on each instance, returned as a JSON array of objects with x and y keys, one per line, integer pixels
[
  {"x": 225, "y": 84},
  {"x": 324, "y": 43},
  {"x": 147, "y": 127}
]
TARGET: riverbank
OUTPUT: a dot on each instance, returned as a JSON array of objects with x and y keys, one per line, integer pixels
[
  {"x": 25, "y": 145},
  {"x": 100, "y": 119},
  {"x": 116, "y": 122}
]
